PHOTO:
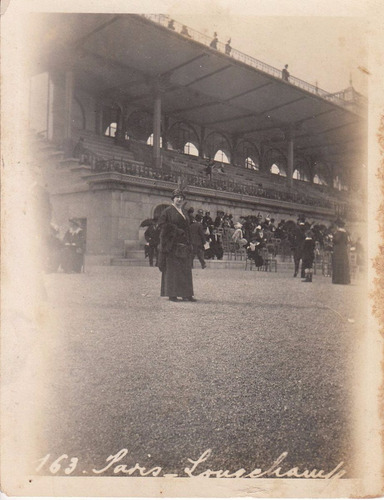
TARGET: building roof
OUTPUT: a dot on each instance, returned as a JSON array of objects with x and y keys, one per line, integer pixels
[{"x": 126, "y": 57}]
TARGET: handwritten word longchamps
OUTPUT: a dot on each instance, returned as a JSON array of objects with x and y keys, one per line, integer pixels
[{"x": 275, "y": 470}]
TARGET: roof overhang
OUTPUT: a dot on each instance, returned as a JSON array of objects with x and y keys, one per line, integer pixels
[{"x": 124, "y": 58}]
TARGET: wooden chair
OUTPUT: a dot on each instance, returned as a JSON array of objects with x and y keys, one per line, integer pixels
[
  {"x": 249, "y": 263},
  {"x": 240, "y": 253},
  {"x": 353, "y": 267},
  {"x": 270, "y": 258},
  {"x": 327, "y": 264}
]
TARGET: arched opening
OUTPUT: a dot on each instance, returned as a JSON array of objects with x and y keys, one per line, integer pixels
[
  {"x": 221, "y": 157},
  {"x": 278, "y": 170},
  {"x": 191, "y": 149},
  {"x": 339, "y": 184},
  {"x": 300, "y": 175},
  {"x": 322, "y": 174},
  {"x": 217, "y": 146},
  {"x": 275, "y": 162},
  {"x": 111, "y": 130},
  {"x": 182, "y": 133},
  {"x": 150, "y": 141},
  {"x": 249, "y": 163},
  {"x": 246, "y": 155},
  {"x": 317, "y": 179},
  {"x": 139, "y": 125}
]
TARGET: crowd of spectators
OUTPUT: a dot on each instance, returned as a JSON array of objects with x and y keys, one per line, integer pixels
[
  {"x": 254, "y": 235},
  {"x": 202, "y": 179},
  {"x": 250, "y": 234},
  {"x": 206, "y": 181}
]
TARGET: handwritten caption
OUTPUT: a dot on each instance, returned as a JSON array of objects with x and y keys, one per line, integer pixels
[{"x": 70, "y": 465}]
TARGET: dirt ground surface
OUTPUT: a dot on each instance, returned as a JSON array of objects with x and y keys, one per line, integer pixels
[{"x": 260, "y": 365}]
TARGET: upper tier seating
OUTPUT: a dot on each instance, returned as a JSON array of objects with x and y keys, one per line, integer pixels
[{"x": 136, "y": 159}]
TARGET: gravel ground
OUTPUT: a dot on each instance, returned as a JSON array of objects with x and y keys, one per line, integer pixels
[{"x": 262, "y": 364}]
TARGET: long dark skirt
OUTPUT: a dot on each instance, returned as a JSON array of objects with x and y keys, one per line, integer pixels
[
  {"x": 307, "y": 262},
  {"x": 72, "y": 261},
  {"x": 176, "y": 280},
  {"x": 340, "y": 266}
]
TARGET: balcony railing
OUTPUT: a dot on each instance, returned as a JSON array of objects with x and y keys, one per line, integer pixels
[
  {"x": 164, "y": 21},
  {"x": 125, "y": 167}
]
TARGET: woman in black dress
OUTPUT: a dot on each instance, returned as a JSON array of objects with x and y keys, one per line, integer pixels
[
  {"x": 74, "y": 246},
  {"x": 340, "y": 262},
  {"x": 308, "y": 256},
  {"x": 174, "y": 260}
]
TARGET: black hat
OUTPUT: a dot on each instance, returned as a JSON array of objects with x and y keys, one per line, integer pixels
[
  {"x": 181, "y": 186},
  {"x": 177, "y": 192}
]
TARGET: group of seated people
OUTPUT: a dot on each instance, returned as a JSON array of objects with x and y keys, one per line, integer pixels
[
  {"x": 205, "y": 181},
  {"x": 200, "y": 179},
  {"x": 255, "y": 236},
  {"x": 260, "y": 239},
  {"x": 222, "y": 233}
]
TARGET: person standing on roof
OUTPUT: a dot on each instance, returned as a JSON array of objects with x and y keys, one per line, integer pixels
[
  {"x": 184, "y": 31},
  {"x": 285, "y": 73},
  {"x": 228, "y": 48},
  {"x": 214, "y": 42}
]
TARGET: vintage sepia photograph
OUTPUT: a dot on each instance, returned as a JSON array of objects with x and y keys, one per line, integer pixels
[{"x": 188, "y": 221}]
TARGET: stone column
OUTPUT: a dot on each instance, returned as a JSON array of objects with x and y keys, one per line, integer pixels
[
  {"x": 290, "y": 156},
  {"x": 157, "y": 129},
  {"x": 201, "y": 142},
  {"x": 69, "y": 86},
  {"x": 120, "y": 134},
  {"x": 98, "y": 118},
  {"x": 165, "y": 132}
]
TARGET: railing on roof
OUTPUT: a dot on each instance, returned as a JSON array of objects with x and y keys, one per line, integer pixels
[{"x": 164, "y": 21}]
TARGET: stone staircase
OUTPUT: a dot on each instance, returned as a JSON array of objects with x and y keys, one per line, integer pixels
[
  {"x": 104, "y": 147},
  {"x": 60, "y": 174}
]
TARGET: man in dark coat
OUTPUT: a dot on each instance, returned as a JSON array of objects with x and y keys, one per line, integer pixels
[
  {"x": 174, "y": 260},
  {"x": 340, "y": 260},
  {"x": 207, "y": 220},
  {"x": 151, "y": 235},
  {"x": 191, "y": 211},
  {"x": 298, "y": 238},
  {"x": 219, "y": 219},
  {"x": 198, "y": 239}
]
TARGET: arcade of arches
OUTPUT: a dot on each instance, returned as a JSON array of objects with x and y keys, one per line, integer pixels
[
  {"x": 125, "y": 122},
  {"x": 193, "y": 140}
]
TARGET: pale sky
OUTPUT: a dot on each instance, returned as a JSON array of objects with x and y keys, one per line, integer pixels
[
  {"x": 322, "y": 41},
  {"x": 323, "y": 49}
]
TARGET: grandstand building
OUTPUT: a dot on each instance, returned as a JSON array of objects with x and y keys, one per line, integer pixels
[{"x": 123, "y": 105}]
